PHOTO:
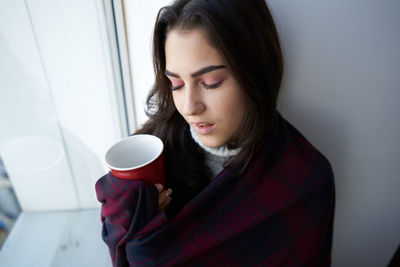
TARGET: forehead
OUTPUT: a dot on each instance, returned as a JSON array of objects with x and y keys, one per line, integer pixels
[{"x": 188, "y": 51}]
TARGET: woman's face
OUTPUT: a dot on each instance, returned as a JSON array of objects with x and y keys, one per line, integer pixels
[{"x": 204, "y": 91}]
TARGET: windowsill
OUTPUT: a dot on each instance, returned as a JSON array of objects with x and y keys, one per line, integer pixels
[{"x": 56, "y": 239}]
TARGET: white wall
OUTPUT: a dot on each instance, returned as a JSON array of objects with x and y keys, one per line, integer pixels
[{"x": 341, "y": 88}]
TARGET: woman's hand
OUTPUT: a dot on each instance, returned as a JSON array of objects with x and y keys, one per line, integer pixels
[{"x": 163, "y": 197}]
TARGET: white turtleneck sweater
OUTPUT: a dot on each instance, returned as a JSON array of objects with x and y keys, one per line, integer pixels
[{"x": 215, "y": 157}]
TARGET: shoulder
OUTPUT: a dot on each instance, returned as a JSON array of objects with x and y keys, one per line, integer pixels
[
  {"x": 306, "y": 153},
  {"x": 289, "y": 155},
  {"x": 313, "y": 170}
]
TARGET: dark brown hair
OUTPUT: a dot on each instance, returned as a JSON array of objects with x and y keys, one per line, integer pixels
[{"x": 244, "y": 33}]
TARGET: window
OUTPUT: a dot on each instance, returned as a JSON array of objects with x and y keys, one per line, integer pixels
[{"x": 65, "y": 97}]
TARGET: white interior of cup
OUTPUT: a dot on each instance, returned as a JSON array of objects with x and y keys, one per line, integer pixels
[{"x": 134, "y": 152}]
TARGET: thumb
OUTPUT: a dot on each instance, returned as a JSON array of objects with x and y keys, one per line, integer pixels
[{"x": 159, "y": 187}]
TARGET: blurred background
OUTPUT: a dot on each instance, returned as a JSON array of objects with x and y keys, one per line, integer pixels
[{"x": 74, "y": 76}]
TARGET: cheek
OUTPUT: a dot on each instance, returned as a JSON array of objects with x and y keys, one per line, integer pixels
[
  {"x": 240, "y": 109},
  {"x": 177, "y": 100},
  {"x": 233, "y": 106}
]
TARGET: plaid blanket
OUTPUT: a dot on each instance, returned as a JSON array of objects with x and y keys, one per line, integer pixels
[{"x": 278, "y": 213}]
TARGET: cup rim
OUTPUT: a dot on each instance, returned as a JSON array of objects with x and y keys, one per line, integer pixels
[{"x": 118, "y": 143}]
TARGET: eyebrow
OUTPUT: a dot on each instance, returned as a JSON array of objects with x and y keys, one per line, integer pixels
[{"x": 197, "y": 73}]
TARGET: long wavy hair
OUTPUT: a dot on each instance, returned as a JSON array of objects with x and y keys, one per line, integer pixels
[{"x": 245, "y": 35}]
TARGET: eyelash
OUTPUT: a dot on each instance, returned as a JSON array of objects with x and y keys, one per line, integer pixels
[
  {"x": 206, "y": 86},
  {"x": 211, "y": 86},
  {"x": 176, "y": 88}
]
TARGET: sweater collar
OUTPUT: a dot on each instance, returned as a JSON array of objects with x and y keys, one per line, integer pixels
[{"x": 222, "y": 151}]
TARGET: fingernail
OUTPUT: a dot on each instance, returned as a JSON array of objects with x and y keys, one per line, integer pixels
[{"x": 169, "y": 192}]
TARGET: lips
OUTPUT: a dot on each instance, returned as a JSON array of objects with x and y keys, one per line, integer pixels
[{"x": 203, "y": 127}]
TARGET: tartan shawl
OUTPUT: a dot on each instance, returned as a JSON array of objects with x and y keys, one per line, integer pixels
[{"x": 279, "y": 212}]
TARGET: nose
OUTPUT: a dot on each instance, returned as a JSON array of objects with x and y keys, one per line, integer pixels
[{"x": 193, "y": 102}]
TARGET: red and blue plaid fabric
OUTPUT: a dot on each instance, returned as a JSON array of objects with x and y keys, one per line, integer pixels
[{"x": 278, "y": 213}]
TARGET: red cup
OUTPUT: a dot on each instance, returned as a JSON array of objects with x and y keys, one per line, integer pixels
[{"x": 138, "y": 157}]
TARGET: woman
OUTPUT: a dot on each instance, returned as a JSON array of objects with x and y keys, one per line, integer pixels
[{"x": 248, "y": 188}]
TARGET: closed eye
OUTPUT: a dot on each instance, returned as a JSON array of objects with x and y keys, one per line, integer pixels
[
  {"x": 211, "y": 86},
  {"x": 175, "y": 83},
  {"x": 177, "y": 87}
]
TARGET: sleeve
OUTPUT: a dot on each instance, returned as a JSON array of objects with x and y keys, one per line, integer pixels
[{"x": 126, "y": 207}]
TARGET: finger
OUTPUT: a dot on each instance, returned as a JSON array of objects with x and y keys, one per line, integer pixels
[
  {"x": 164, "y": 195},
  {"x": 159, "y": 187},
  {"x": 165, "y": 204}
]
